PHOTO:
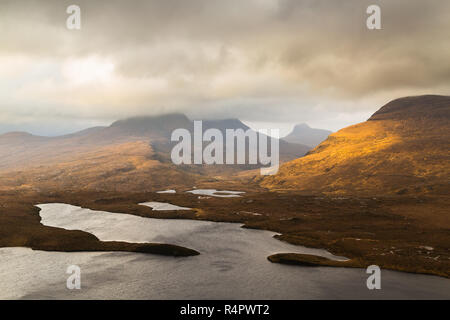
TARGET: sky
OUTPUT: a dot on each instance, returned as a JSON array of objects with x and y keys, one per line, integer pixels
[{"x": 267, "y": 62}]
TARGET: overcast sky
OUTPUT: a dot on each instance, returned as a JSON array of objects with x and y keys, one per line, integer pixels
[{"x": 270, "y": 62}]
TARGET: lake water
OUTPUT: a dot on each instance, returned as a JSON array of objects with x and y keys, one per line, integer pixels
[
  {"x": 232, "y": 265},
  {"x": 217, "y": 193},
  {"x": 167, "y": 191},
  {"x": 162, "y": 206}
]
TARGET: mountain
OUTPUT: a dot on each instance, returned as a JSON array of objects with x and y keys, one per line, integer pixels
[
  {"x": 288, "y": 151},
  {"x": 222, "y": 125},
  {"x": 404, "y": 148},
  {"x": 304, "y": 134},
  {"x": 130, "y": 154},
  {"x": 156, "y": 127}
]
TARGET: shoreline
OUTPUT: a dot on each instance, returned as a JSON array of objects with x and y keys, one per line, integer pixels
[
  {"x": 375, "y": 234},
  {"x": 306, "y": 260}
]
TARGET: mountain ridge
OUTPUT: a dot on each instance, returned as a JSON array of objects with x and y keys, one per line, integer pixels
[{"x": 414, "y": 107}]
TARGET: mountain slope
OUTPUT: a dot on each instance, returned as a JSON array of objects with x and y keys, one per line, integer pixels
[
  {"x": 304, "y": 134},
  {"x": 402, "y": 149},
  {"x": 119, "y": 157},
  {"x": 132, "y": 154}
]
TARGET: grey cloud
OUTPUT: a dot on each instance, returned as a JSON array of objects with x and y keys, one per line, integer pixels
[{"x": 255, "y": 59}]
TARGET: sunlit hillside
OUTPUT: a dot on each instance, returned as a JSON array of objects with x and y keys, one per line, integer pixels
[{"x": 401, "y": 149}]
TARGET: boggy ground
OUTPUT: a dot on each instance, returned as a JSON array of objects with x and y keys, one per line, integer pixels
[{"x": 400, "y": 233}]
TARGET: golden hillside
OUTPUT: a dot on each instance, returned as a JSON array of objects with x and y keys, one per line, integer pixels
[
  {"x": 402, "y": 149},
  {"x": 119, "y": 167}
]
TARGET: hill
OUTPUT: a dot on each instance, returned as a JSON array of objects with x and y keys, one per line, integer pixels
[{"x": 404, "y": 148}]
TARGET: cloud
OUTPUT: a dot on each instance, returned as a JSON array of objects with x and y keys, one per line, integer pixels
[{"x": 259, "y": 60}]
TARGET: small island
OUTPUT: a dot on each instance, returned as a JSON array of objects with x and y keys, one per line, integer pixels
[{"x": 308, "y": 260}]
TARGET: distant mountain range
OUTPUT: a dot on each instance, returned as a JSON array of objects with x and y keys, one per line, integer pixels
[
  {"x": 404, "y": 148},
  {"x": 304, "y": 134},
  {"x": 131, "y": 154}
]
